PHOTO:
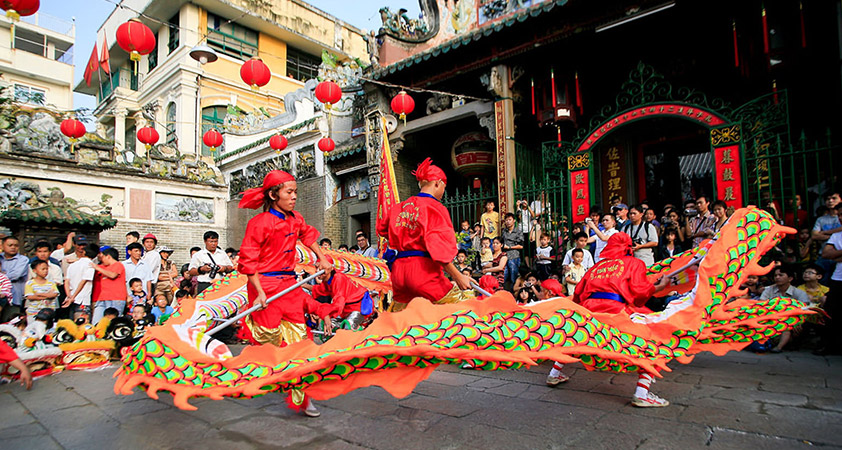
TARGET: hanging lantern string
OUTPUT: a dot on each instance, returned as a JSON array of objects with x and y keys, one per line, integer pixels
[
  {"x": 413, "y": 89},
  {"x": 119, "y": 4}
]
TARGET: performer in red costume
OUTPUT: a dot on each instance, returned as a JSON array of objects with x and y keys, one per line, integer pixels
[
  {"x": 617, "y": 284},
  {"x": 267, "y": 257},
  {"x": 348, "y": 300},
  {"x": 8, "y": 356},
  {"x": 419, "y": 228}
]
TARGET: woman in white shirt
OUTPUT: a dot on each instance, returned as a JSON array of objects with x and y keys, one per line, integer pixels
[{"x": 600, "y": 236}]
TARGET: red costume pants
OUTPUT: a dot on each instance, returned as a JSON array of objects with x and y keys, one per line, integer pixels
[{"x": 418, "y": 276}]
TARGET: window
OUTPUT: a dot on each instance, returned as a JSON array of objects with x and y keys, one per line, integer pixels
[
  {"x": 172, "y": 44},
  {"x": 302, "y": 66},
  {"x": 153, "y": 58},
  {"x": 172, "y": 139},
  {"x": 213, "y": 117},
  {"x": 231, "y": 39},
  {"x": 29, "y": 94}
]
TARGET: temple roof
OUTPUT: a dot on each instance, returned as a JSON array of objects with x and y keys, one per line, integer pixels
[{"x": 57, "y": 215}]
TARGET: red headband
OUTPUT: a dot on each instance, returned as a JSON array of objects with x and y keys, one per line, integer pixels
[
  {"x": 426, "y": 171},
  {"x": 253, "y": 198}
]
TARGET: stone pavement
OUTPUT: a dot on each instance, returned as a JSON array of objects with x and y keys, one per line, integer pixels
[{"x": 787, "y": 401}]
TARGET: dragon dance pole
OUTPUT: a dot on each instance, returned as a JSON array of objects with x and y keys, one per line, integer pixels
[
  {"x": 480, "y": 290},
  {"x": 256, "y": 307}
]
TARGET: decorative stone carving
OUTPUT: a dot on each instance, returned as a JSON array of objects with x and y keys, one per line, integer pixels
[
  {"x": 438, "y": 103},
  {"x": 399, "y": 26}
]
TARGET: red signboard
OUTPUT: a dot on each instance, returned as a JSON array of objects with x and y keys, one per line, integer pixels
[
  {"x": 500, "y": 135},
  {"x": 690, "y": 112},
  {"x": 580, "y": 194},
  {"x": 729, "y": 184}
]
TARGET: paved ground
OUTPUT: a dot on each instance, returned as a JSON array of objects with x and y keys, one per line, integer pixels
[{"x": 743, "y": 400}]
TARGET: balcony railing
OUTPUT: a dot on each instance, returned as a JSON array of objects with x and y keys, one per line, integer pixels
[
  {"x": 52, "y": 23},
  {"x": 126, "y": 78}
]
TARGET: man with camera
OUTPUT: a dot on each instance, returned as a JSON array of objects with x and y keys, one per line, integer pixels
[
  {"x": 644, "y": 235},
  {"x": 209, "y": 263},
  {"x": 700, "y": 221}
]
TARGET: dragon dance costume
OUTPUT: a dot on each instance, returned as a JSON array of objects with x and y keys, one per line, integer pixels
[
  {"x": 421, "y": 231},
  {"x": 397, "y": 351}
]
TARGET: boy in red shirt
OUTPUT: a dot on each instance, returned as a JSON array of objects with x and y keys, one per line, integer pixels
[
  {"x": 267, "y": 257},
  {"x": 109, "y": 284},
  {"x": 419, "y": 228},
  {"x": 348, "y": 300},
  {"x": 617, "y": 284}
]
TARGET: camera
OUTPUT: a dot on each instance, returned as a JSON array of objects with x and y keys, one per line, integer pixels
[
  {"x": 691, "y": 212},
  {"x": 214, "y": 269},
  {"x": 588, "y": 220}
]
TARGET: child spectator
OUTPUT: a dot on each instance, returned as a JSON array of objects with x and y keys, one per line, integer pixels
[
  {"x": 343, "y": 248},
  {"x": 110, "y": 313},
  {"x": 467, "y": 272},
  {"x": 162, "y": 309},
  {"x": 807, "y": 250},
  {"x": 544, "y": 257},
  {"x": 526, "y": 295},
  {"x": 166, "y": 275},
  {"x": 180, "y": 296},
  {"x": 79, "y": 282},
  {"x": 138, "y": 294},
  {"x": 490, "y": 221},
  {"x": 816, "y": 292},
  {"x": 580, "y": 240},
  {"x": 485, "y": 253},
  {"x": 670, "y": 245},
  {"x": 39, "y": 292},
  {"x": 476, "y": 237},
  {"x": 575, "y": 271},
  {"x": 461, "y": 258},
  {"x": 782, "y": 288},
  {"x": 463, "y": 238},
  {"x": 753, "y": 288}
]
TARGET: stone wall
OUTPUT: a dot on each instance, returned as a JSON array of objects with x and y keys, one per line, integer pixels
[{"x": 180, "y": 237}]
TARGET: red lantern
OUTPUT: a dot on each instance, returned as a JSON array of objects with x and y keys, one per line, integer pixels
[
  {"x": 74, "y": 130},
  {"x": 328, "y": 93},
  {"x": 403, "y": 104},
  {"x": 278, "y": 142},
  {"x": 212, "y": 139},
  {"x": 255, "y": 73},
  {"x": 17, "y": 8},
  {"x": 148, "y": 136},
  {"x": 135, "y": 38},
  {"x": 326, "y": 145}
]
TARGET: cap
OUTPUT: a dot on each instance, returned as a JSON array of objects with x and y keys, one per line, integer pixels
[
  {"x": 620, "y": 206},
  {"x": 149, "y": 236},
  {"x": 80, "y": 239},
  {"x": 165, "y": 249}
]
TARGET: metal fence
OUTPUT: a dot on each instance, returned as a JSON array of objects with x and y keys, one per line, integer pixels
[
  {"x": 469, "y": 205},
  {"x": 776, "y": 172}
]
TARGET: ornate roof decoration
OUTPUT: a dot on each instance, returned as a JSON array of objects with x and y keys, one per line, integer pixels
[{"x": 58, "y": 215}]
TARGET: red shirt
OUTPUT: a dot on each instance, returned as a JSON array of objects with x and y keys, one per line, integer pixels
[
  {"x": 107, "y": 289},
  {"x": 6, "y": 353},
  {"x": 421, "y": 223},
  {"x": 346, "y": 296},
  {"x": 269, "y": 244}
]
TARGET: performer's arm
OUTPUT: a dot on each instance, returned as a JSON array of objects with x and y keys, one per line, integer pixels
[
  {"x": 323, "y": 263},
  {"x": 254, "y": 279},
  {"x": 463, "y": 281}
]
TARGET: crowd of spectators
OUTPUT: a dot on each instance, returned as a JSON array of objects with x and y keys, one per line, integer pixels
[{"x": 80, "y": 280}]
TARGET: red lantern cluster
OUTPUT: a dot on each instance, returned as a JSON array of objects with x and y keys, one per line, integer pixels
[
  {"x": 328, "y": 93},
  {"x": 403, "y": 104},
  {"x": 148, "y": 136},
  {"x": 73, "y": 129},
  {"x": 17, "y": 8},
  {"x": 326, "y": 144},
  {"x": 278, "y": 142},
  {"x": 212, "y": 139},
  {"x": 135, "y": 38},
  {"x": 255, "y": 73}
]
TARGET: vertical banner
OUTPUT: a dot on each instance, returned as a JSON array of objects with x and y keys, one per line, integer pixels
[
  {"x": 500, "y": 137},
  {"x": 727, "y": 153},
  {"x": 387, "y": 191},
  {"x": 580, "y": 195},
  {"x": 614, "y": 180}
]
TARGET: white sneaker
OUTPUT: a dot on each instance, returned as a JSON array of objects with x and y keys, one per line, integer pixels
[
  {"x": 310, "y": 410},
  {"x": 467, "y": 366},
  {"x": 554, "y": 381},
  {"x": 650, "y": 401}
]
